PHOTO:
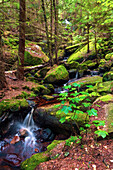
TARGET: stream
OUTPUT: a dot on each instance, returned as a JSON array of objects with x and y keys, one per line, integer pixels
[{"x": 20, "y": 139}]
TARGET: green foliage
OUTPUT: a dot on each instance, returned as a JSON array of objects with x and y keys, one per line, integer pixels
[
  {"x": 101, "y": 133},
  {"x": 76, "y": 101}
]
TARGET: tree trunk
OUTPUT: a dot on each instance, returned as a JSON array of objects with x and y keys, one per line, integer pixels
[
  {"x": 3, "y": 82},
  {"x": 22, "y": 18},
  {"x": 55, "y": 4},
  {"x": 47, "y": 33},
  {"x": 88, "y": 26}
]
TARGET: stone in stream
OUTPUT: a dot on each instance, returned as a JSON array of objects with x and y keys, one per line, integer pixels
[{"x": 15, "y": 139}]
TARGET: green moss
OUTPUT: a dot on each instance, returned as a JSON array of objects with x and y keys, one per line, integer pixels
[
  {"x": 73, "y": 64},
  {"x": 56, "y": 74},
  {"x": 89, "y": 80},
  {"x": 47, "y": 97},
  {"x": 102, "y": 88},
  {"x": 30, "y": 60},
  {"x": 108, "y": 76},
  {"x": 31, "y": 163},
  {"x": 13, "y": 105},
  {"x": 42, "y": 73},
  {"x": 41, "y": 89},
  {"x": 109, "y": 56},
  {"x": 105, "y": 98},
  {"x": 79, "y": 56},
  {"x": 109, "y": 117}
]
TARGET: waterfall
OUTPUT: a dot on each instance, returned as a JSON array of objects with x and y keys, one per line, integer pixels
[{"x": 28, "y": 121}]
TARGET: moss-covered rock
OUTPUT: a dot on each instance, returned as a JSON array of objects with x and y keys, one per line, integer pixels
[
  {"x": 34, "y": 55},
  {"x": 50, "y": 116},
  {"x": 109, "y": 56},
  {"x": 79, "y": 55},
  {"x": 12, "y": 105},
  {"x": 104, "y": 65},
  {"x": 31, "y": 163},
  {"x": 102, "y": 88},
  {"x": 109, "y": 117},
  {"x": 106, "y": 98},
  {"x": 88, "y": 81},
  {"x": 73, "y": 65},
  {"x": 41, "y": 89},
  {"x": 42, "y": 73},
  {"x": 108, "y": 76},
  {"x": 56, "y": 74}
]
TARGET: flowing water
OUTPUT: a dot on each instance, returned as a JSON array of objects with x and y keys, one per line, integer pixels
[{"x": 19, "y": 142}]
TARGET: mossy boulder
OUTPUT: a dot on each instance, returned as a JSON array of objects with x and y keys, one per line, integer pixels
[
  {"x": 31, "y": 163},
  {"x": 109, "y": 117},
  {"x": 108, "y": 76},
  {"x": 57, "y": 74},
  {"x": 42, "y": 73},
  {"x": 73, "y": 65},
  {"x": 92, "y": 65},
  {"x": 50, "y": 116},
  {"x": 102, "y": 88},
  {"x": 79, "y": 55},
  {"x": 106, "y": 98},
  {"x": 34, "y": 55},
  {"x": 88, "y": 81},
  {"x": 13, "y": 105},
  {"x": 104, "y": 65},
  {"x": 41, "y": 89},
  {"x": 109, "y": 56},
  {"x": 108, "y": 109}
]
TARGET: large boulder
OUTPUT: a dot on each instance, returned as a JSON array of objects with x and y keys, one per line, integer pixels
[
  {"x": 49, "y": 117},
  {"x": 90, "y": 80},
  {"x": 108, "y": 111},
  {"x": 102, "y": 88},
  {"x": 34, "y": 55},
  {"x": 57, "y": 74},
  {"x": 79, "y": 55}
]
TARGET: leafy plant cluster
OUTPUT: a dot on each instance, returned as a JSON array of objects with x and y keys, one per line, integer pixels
[{"x": 73, "y": 103}]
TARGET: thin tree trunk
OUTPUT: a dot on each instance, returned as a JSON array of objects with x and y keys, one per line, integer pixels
[
  {"x": 88, "y": 26},
  {"x": 3, "y": 82},
  {"x": 51, "y": 25},
  {"x": 55, "y": 4},
  {"x": 22, "y": 18},
  {"x": 47, "y": 33}
]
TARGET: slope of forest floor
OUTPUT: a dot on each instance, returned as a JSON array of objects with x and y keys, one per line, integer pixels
[{"x": 91, "y": 154}]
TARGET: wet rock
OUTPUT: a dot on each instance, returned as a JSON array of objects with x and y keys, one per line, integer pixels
[
  {"x": 15, "y": 140},
  {"x": 57, "y": 74},
  {"x": 47, "y": 135},
  {"x": 13, "y": 159},
  {"x": 23, "y": 132},
  {"x": 5, "y": 167}
]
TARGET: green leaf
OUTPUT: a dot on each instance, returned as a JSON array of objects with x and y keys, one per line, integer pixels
[
  {"x": 86, "y": 104},
  {"x": 56, "y": 106},
  {"x": 101, "y": 133},
  {"x": 67, "y": 87},
  {"x": 87, "y": 125},
  {"x": 62, "y": 120},
  {"x": 92, "y": 112},
  {"x": 112, "y": 124},
  {"x": 66, "y": 109}
]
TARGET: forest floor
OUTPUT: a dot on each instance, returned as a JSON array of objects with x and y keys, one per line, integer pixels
[{"x": 91, "y": 154}]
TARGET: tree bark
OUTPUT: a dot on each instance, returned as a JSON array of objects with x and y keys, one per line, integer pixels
[
  {"x": 22, "y": 18},
  {"x": 3, "y": 82},
  {"x": 55, "y": 4},
  {"x": 47, "y": 33}
]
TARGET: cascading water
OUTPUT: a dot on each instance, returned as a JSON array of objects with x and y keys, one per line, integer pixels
[{"x": 21, "y": 141}]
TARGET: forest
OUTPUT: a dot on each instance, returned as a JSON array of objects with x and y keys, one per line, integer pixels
[{"x": 56, "y": 84}]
